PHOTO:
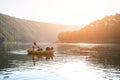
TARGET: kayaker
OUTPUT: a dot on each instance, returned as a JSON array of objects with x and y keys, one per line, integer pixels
[
  {"x": 39, "y": 49},
  {"x": 35, "y": 45},
  {"x": 47, "y": 48},
  {"x": 51, "y": 48}
]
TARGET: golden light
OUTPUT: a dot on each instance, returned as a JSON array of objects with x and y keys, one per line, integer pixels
[
  {"x": 75, "y": 71},
  {"x": 79, "y": 12},
  {"x": 73, "y": 11}
]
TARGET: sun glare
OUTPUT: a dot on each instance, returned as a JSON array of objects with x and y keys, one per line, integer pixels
[
  {"x": 78, "y": 12},
  {"x": 79, "y": 71},
  {"x": 75, "y": 11}
]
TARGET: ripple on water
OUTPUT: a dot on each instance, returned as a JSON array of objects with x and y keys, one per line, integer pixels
[
  {"x": 19, "y": 51},
  {"x": 66, "y": 65}
]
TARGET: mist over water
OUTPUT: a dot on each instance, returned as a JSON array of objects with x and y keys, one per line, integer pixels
[{"x": 71, "y": 61}]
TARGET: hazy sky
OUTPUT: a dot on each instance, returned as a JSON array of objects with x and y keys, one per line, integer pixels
[{"x": 77, "y": 12}]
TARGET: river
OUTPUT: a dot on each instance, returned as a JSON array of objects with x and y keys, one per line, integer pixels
[{"x": 71, "y": 61}]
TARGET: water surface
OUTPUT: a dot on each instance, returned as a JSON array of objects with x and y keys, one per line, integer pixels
[{"x": 71, "y": 61}]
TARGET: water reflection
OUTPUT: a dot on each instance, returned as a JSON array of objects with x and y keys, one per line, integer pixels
[
  {"x": 105, "y": 54},
  {"x": 71, "y": 62},
  {"x": 7, "y": 58},
  {"x": 36, "y": 58}
]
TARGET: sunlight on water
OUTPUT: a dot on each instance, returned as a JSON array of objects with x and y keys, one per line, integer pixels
[
  {"x": 71, "y": 61},
  {"x": 66, "y": 71},
  {"x": 84, "y": 44},
  {"x": 90, "y": 45},
  {"x": 75, "y": 71}
]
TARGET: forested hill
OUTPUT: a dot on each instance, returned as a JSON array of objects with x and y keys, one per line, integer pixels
[
  {"x": 104, "y": 30},
  {"x": 20, "y": 30}
]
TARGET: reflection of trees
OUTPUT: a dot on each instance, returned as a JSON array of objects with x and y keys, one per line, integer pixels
[
  {"x": 107, "y": 55},
  {"x": 6, "y": 58},
  {"x": 8, "y": 46},
  {"x": 107, "y": 58},
  {"x": 9, "y": 60}
]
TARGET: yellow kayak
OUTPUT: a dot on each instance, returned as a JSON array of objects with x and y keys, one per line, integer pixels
[{"x": 35, "y": 52}]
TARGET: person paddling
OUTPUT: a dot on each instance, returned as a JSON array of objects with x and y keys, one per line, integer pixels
[{"x": 35, "y": 46}]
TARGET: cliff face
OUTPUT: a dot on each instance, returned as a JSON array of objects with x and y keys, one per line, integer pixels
[
  {"x": 20, "y": 30},
  {"x": 104, "y": 30}
]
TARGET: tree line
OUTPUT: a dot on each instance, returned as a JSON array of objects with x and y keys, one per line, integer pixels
[
  {"x": 20, "y": 30},
  {"x": 104, "y": 30}
]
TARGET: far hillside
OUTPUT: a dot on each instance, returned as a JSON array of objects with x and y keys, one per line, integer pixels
[
  {"x": 19, "y": 30},
  {"x": 104, "y": 30}
]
